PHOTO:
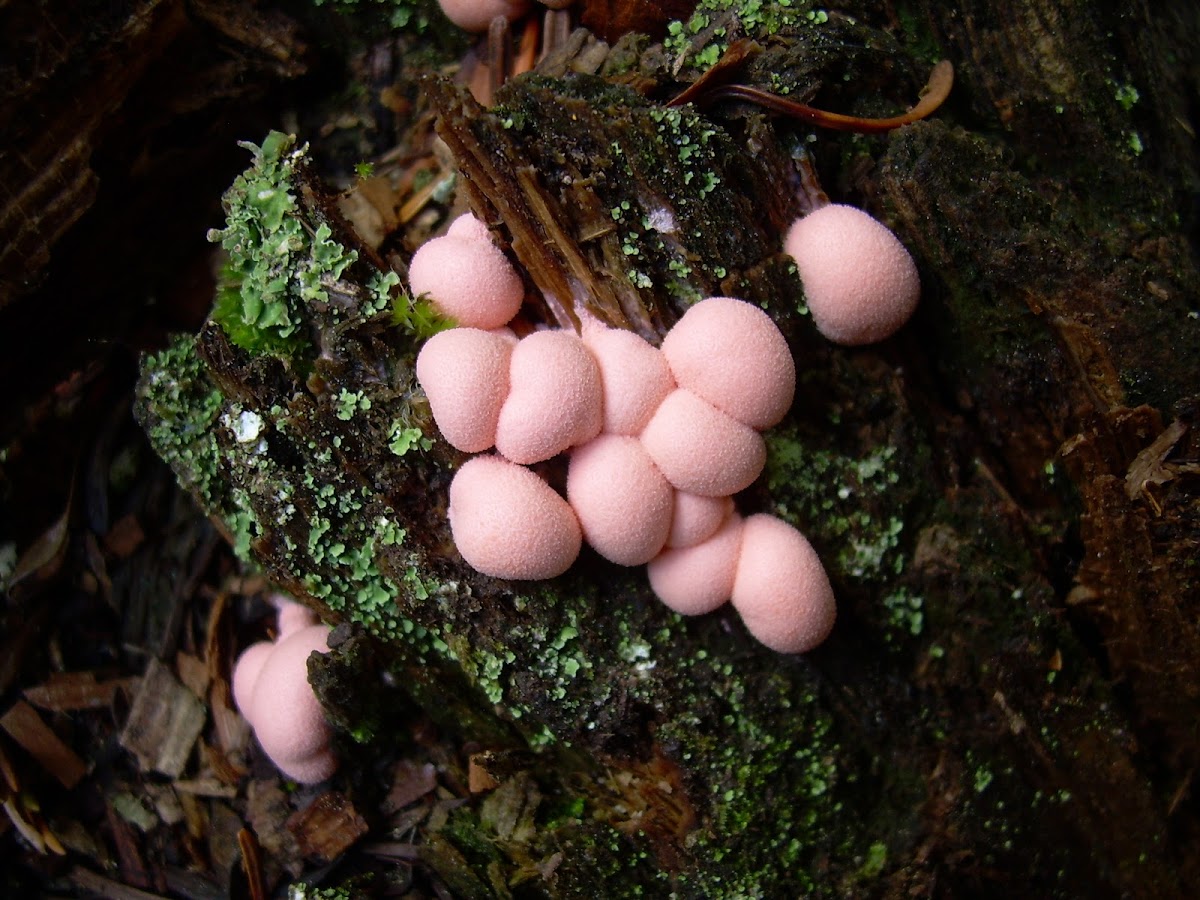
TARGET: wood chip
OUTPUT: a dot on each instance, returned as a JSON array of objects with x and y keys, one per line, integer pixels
[
  {"x": 70, "y": 691},
  {"x": 106, "y": 887},
  {"x": 410, "y": 782},
  {"x": 267, "y": 811},
  {"x": 164, "y": 722},
  {"x": 26, "y": 727},
  {"x": 129, "y": 855},
  {"x": 193, "y": 672},
  {"x": 231, "y": 729},
  {"x": 205, "y": 787},
  {"x": 328, "y": 826},
  {"x": 251, "y": 865}
]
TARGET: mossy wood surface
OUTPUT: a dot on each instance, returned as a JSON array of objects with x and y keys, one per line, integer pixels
[{"x": 1005, "y": 494}]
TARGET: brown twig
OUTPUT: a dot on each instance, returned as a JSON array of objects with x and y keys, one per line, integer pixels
[{"x": 941, "y": 79}]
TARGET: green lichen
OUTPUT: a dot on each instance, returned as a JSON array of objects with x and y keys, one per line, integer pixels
[
  {"x": 703, "y": 38},
  {"x": 905, "y": 614},
  {"x": 179, "y": 406},
  {"x": 404, "y": 438},
  {"x": 853, "y": 504},
  {"x": 278, "y": 260},
  {"x": 283, "y": 261}
]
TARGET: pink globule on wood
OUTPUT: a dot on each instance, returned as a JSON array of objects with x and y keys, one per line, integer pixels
[
  {"x": 781, "y": 590},
  {"x": 860, "y": 283},
  {"x": 464, "y": 373},
  {"x": 555, "y": 398},
  {"x": 468, "y": 280},
  {"x": 621, "y": 499},
  {"x": 271, "y": 688},
  {"x": 698, "y": 579},
  {"x": 701, "y": 449},
  {"x": 508, "y": 523},
  {"x": 731, "y": 354},
  {"x": 695, "y": 518},
  {"x": 634, "y": 374}
]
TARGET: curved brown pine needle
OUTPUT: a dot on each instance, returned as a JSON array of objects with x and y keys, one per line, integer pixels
[{"x": 941, "y": 79}]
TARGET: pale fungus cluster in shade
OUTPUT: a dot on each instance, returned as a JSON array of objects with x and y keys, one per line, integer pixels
[
  {"x": 657, "y": 439},
  {"x": 271, "y": 690}
]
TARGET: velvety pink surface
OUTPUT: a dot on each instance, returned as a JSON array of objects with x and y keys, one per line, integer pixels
[
  {"x": 508, "y": 523},
  {"x": 729, "y": 353},
  {"x": 623, "y": 502},
  {"x": 271, "y": 689},
  {"x": 245, "y": 674},
  {"x": 292, "y": 616},
  {"x": 469, "y": 228},
  {"x": 700, "y": 449},
  {"x": 634, "y": 374},
  {"x": 555, "y": 398},
  {"x": 464, "y": 373},
  {"x": 469, "y": 280},
  {"x": 477, "y": 15},
  {"x": 860, "y": 283},
  {"x": 695, "y": 518},
  {"x": 698, "y": 579},
  {"x": 781, "y": 590}
]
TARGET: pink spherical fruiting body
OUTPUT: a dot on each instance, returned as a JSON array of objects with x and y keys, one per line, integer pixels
[
  {"x": 270, "y": 687},
  {"x": 477, "y": 15},
  {"x": 634, "y": 375},
  {"x": 781, "y": 590},
  {"x": 621, "y": 499},
  {"x": 695, "y": 518},
  {"x": 701, "y": 449},
  {"x": 698, "y": 579},
  {"x": 555, "y": 398},
  {"x": 860, "y": 283},
  {"x": 508, "y": 523},
  {"x": 730, "y": 354},
  {"x": 469, "y": 280},
  {"x": 464, "y": 373},
  {"x": 469, "y": 228}
]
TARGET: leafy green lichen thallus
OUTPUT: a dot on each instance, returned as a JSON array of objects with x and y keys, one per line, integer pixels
[
  {"x": 276, "y": 260},
  {"x": 285, "y": 261}
]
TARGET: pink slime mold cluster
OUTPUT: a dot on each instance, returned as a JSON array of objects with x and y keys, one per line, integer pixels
[
  {"x": 658, "y": 440},
  {"x": 271, "y": 689}
]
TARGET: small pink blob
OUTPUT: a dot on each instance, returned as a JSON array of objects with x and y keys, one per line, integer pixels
[
  {"x": 292, "y": 616},
  {"x": 245, "y": 674},
  {"x": 508, "y": 523},
  {"x": 477, "y": 15},
  {"x": 464, "y": 373},
  {"x": 623, "y": 502},
  {"x": 469, "y": 280},
  {"x": 702, "y": 450},
  {"x": 729, "y": 353},
  {"x": 271, "y": 688},
  {"x": 695, "y": 518},
  {"x": 781, "y": 590},
  {"x": 634, "y": 374},
  {"x": 860, "y": 283},
  {"x": 470, "y": 228},
  {"x": 698, "y": 579},
  {"x": 555, "y": 398}
]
